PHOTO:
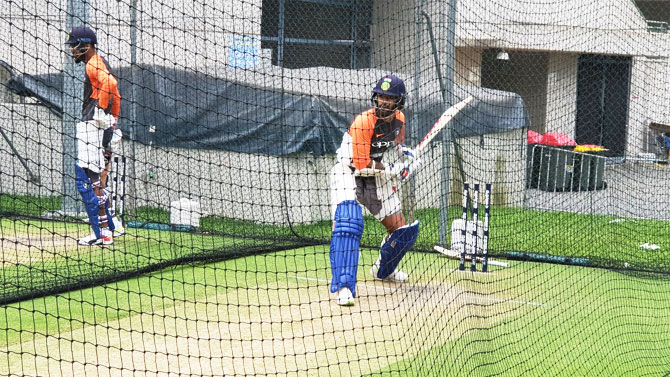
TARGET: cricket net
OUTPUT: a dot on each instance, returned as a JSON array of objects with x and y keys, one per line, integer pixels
[{"x": 232, "y": 112}]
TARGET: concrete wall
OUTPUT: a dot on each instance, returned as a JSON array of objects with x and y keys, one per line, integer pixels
[
  {"x": 561, "y": 93},
  {"x": 187, "y": 34},
  {"x": 37, "y": 135},
  {"x": 649, "y": 101},
  {"x": 603, "y": 14},
  {"x": 468, "y": 64},
  {"x": 600, "y": 27}
]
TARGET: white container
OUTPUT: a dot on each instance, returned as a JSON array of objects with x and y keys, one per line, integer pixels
[
  {"x": 185, "y": 212},
  {"x": 457, "y": 237}
]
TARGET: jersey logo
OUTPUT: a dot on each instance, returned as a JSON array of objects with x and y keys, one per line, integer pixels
[
  {"x": 379, "y": 135},
  {"x": 383, "y": 144}
]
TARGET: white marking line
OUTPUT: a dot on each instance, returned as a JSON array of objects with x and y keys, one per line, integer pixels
[{"x": 481, "y": 298}]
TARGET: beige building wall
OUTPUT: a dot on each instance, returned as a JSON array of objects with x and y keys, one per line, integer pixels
[
  {"x": 600, "y": 27},
  {"x": 649, "y": 102},
  {"x": 199, "y": 36},
  {"x": 561, "y": 93},
  {"x": 199, "y": 40},
  {"x": 468, "y": 66}
]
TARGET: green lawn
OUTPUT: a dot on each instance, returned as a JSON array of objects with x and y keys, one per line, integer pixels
[
  {"x": 34, "y": 268},
  {"x": 529, "y": 319},
  {"x": 591, "y": 322}
]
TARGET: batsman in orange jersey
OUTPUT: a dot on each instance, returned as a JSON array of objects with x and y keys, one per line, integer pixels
[
  {"x": 372, "y": 133},
  {"x": 96, "y": 134}
]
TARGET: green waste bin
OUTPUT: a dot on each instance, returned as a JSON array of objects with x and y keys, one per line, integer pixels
[
  {"x": 581, "y": 172},
  {"x": 549, "y": 168},
  {"x": 588, "y": 172},
  {"x": 598, "y": 173},
  {"x": 533, "y": 154}
]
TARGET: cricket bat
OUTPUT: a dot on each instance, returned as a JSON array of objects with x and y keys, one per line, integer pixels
[
  {"x": 442, "y": 122},
  {"x": 439, "y": 125}
]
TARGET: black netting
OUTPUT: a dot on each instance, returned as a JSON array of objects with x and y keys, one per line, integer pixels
[{"x": 552, "y": 176}]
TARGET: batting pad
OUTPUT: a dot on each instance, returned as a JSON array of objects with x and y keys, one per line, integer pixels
[
  {"x": 91, "y": 203},
  {"x": 344, "y": 244},
  {"x": 395, "y": 248},
  {"x": 108, "y": 213}
]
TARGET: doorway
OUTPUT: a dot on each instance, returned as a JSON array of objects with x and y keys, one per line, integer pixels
[{"x": 603, "y": 86}]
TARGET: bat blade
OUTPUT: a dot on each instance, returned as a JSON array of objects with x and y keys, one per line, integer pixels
[
  {"x": 442, "y": 122},
  {"x": 456, "y": 255}
]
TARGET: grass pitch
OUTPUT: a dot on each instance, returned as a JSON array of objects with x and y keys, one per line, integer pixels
[{"x": 273, "y": 315}]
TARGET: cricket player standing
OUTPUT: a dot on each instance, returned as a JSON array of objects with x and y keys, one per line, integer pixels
[
  {"x": 372, "y": 133},
  {"x": 95, "y": 133}
]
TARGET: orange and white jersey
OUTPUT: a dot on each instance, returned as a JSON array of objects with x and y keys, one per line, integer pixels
[
  {"x": 369, "y": 137},
  {"x": 100, "y": 89}
]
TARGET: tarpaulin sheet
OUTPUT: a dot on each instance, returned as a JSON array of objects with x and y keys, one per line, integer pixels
[{"x": 269, "y": 110}]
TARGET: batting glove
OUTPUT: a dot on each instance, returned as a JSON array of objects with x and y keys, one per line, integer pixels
[
  {"x": 405, "y": 152},
  {"x": 399, "y": 170},
  {"x": 103, "y": 120},
  {"x": 416, "y": 163}
]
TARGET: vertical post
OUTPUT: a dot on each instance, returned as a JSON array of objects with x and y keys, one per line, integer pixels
[
  {"x": 448, "y": 97},
  {"x": 73, "y": 82},
  {"x": 352, "y": 35},
  {"x": 132, "y": 102},
  {"x": 280, "y": 34},
  {"x": 409, "y": 198}
]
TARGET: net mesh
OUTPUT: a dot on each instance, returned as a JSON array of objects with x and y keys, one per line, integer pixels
[{"x": 232, "y": 113}]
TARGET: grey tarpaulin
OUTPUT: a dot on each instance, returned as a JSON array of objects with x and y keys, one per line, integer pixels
[{"x": 269, "y": 110}]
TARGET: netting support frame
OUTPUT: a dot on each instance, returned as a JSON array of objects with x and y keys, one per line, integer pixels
[{"x": 73, "y": 83}]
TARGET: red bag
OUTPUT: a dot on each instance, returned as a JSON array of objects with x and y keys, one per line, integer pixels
[
  {"x": 557, "y": 139},
  {"x": 534, "y": 137}
]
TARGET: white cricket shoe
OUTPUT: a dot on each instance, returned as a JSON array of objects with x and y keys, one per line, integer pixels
[
  {"x": 119, "y": 229},
  {"x": 107, "y": 237},
  {"x": 396, "y": 276},
  {"x": 90, "y": 240},
  {"x": 344, "y": 297}
]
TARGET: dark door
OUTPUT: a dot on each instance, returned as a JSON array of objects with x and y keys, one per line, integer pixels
[{"x": 603, "y": 84}]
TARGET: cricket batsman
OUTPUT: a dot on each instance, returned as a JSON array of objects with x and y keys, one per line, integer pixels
[
  {"x": 372, "y": 133},
  {"x": 95, "y": 134}
]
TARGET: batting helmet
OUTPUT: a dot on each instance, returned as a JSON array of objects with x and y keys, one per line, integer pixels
[
  {"x": 81, "y": 34},
  {"x": 392, "y": 86}
]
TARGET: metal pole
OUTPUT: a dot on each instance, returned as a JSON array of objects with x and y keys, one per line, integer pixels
[
  {"x": 447, "y": 135},
  {"x": 73, "y": 84},
  {"x": 133, "y": 106},
  {"x": 32, "y": 177},
  {"x": 410, "y": 197},
  {"x": 280, "y": 36}
]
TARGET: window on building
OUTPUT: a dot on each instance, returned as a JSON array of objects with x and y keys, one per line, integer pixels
[{"x": 310, "y": 33}]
